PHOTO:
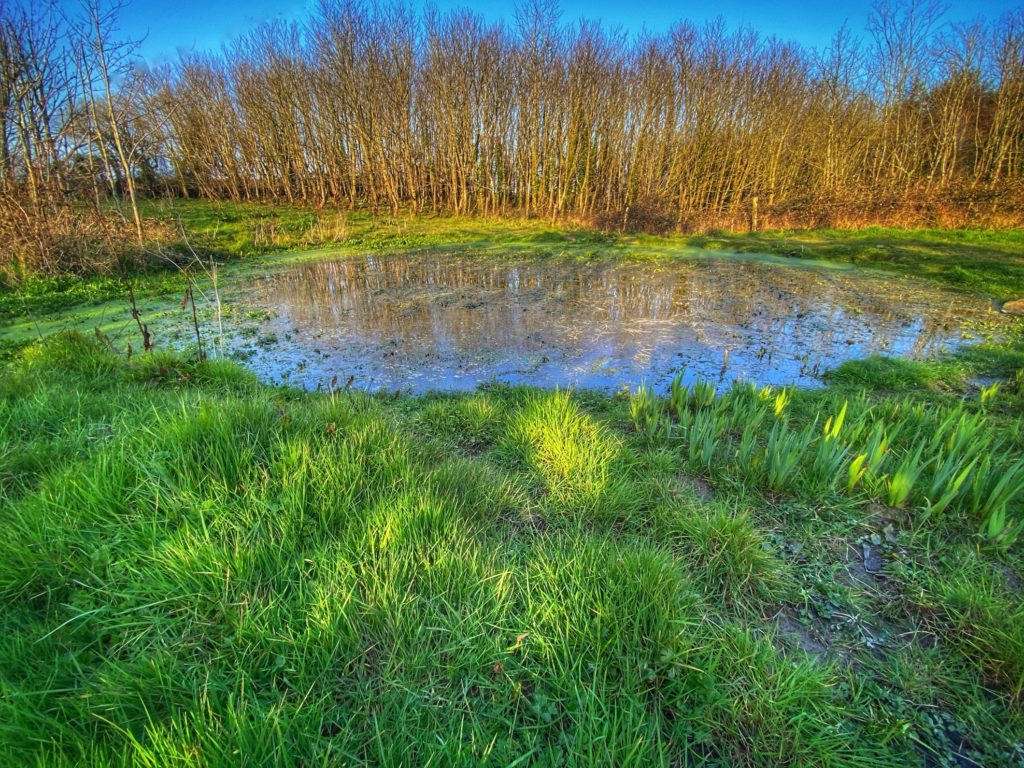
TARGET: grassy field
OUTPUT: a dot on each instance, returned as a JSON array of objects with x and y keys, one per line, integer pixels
[
  {"x": 987, "y": 261},
  {"x": 981, "y": 261},
  {"x": 198, "y": 569}
]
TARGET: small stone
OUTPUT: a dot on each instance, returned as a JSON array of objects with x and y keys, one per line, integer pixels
[{"x": 872, "y": 558}]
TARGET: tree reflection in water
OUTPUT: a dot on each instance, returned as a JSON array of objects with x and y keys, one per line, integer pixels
[{"x": 451, "y": 323}]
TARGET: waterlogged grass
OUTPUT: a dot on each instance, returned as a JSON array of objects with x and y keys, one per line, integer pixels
[
  {"x": 250, "y": 229},
  {"x": 977, "y": 261},
  {"x": 986, "y": 262},
  {"x": 201, "y": 570},
  {"x": 246, "y": 237},
  {"x": 980, "y": 261}
]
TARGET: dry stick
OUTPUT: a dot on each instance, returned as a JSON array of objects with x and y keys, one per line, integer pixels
[
  {"x": 147, "y": 339},
  {"x": 190, "y": 288},
  {"x": 216, "y": 297},
  {"x": 190, "y": 298},
  {"x": 212, "y": 272}
]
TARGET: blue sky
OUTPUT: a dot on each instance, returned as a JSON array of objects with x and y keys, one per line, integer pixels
[{"x": 206, "y": 24}]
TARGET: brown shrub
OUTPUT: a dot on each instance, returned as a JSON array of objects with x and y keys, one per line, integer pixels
[
  {"x": 61, "y": 237},
  {"x": 650, "y": 215},
  {"x": 949, "y": 208}
]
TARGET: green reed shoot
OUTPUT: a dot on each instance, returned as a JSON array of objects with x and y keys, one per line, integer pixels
[
  {"x": 900, "y": 485},
  {"x": 647, "y": 414}
]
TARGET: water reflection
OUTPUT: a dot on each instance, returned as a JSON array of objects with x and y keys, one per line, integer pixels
[{"x": 420, "y": 323}]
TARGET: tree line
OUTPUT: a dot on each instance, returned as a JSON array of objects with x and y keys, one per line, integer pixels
[{"x": 369, "y": 104}]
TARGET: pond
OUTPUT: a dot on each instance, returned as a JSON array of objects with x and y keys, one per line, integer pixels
[{"x": 419, "y": 323}]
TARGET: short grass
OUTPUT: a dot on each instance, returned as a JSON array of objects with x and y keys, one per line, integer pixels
[
  {"x": 981, "y": 261},
  {"x": 198, "y": 569}
]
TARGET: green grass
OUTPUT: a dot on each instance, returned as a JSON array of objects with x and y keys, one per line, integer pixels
[
  {"x": 197, "y": 568},
  {"x": 989, "y": 262},
  {"x": 978, "y": 261},
  {"x": 244, "y": 230},
  {"x": 975, "y": 260}
]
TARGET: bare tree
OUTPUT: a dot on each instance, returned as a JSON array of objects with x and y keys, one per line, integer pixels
[{"x": 371, "y": 104}]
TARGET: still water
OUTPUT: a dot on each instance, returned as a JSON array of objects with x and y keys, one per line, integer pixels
[{"x": 417, "y": 323}]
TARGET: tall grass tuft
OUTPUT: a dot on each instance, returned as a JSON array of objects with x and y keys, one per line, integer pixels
[
  {"x": 866, "y": 466},
  {"x": 901, "y": 483},
  {"x": 784, "y": 453},
  {"x": 992, "y": 492},
  {"x": 583, "y": 466},
  {"x": 826, "y": 468},
  {"x": 648, "y": 415}
]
